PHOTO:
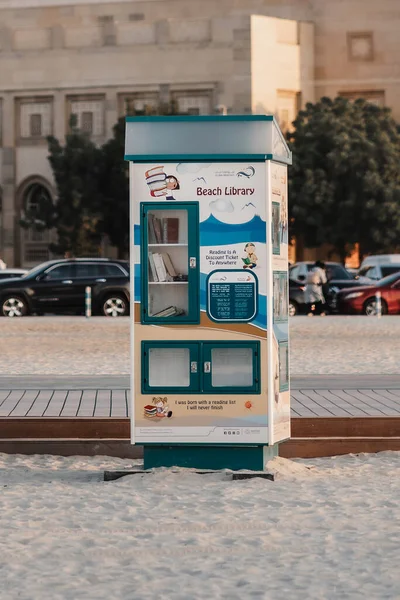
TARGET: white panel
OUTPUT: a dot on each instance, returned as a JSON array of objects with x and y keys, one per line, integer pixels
[
  {"x": 232, "y": 367},
  {"x": 169, "y": 367},
  {"x": 205, "y": 137}
]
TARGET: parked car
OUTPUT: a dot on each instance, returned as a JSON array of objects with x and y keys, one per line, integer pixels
[
  {"x": 338, "y": 278},
  {"x": 11, "y": 273},
  {"x": 378, "y": 271},
  {"x": 335, "y": 271},
  {"x": 363, "y": 301},
  {"x": 58, "y": 287},
  {"x": 297, "y": 299},
  {"x": 380, "y": 259}
]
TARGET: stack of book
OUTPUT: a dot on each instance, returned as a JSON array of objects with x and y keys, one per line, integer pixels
[
  {"x": 163, "y": 231},
  {"x": 170, "y": 311},
  {"x": 161, "y": 267},
  {"x": 156, "y": 179}
]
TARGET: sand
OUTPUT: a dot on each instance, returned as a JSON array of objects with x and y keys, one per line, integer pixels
[
  {"x": 325, "y": 529},
  {"x": 100, "y": 346}
]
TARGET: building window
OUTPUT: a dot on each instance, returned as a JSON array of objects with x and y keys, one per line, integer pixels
[
  {"x": 193, "y": 103},
  {"x": 108, "y": 35},
  {"x": 138, "y": 104},
  {"x": 35, "y": 119},
  {"x": 376, "y": 97},
  {"x": 360, "y": 46},
  {"x": 89, "y": 114},
  {"x": 288, "y": 106}
]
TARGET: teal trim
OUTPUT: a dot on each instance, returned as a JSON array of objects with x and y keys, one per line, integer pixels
[
  {"x": 236, "y": 458},
  {"x": 183, "y": 118},
  {"x": 194, "y": 374},
  {"x": 200, "y": 382},
  {"x": 276, "y": 249},
  {"x": 208, "y": 388},
  {"x": 193, "y": 249},
  {"x": 147, "y": 158},
  {"x": 284, "y": 387},
  {"x": 231, "y": 320}
]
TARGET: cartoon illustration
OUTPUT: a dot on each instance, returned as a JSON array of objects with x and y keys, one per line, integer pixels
[
  {"x": 250, "y": 262},
  {"x": 172, "y": 184},
  {"x": 159, "y": 409},
  {"x": 160, "y": 184}
]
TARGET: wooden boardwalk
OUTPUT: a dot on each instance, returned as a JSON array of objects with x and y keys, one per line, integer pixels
[
  {"x": 90, "y": 415},
  {"x": 101, "y": 403}
]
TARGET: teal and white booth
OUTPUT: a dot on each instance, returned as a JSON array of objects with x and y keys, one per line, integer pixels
[{"x": 209, "y": 290}]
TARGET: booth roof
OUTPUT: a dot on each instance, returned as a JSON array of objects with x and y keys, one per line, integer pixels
[{"x": 205, "y": 138}]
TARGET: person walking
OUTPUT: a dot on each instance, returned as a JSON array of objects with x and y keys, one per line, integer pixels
[{"x": 315, "y": 298}]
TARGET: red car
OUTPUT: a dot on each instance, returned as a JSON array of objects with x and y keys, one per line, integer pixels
[{"x": 362, "y": 300}]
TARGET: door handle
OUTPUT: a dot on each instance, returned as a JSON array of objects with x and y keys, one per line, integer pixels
[
  {"x": 101, "y": 280},
  {"x": 67, "y": 281}
]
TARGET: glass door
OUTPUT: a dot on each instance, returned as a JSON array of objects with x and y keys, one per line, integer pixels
[
  {"x": 170, "y": 260},
  {"x": 170, "y": 367},
  {"x": 231, "y": 367}
]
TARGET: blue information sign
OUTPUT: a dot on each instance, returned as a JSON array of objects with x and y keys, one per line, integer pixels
[{"x": 232, "y": 296}]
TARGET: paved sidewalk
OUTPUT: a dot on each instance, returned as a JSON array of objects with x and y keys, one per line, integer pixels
[{"x": 108, "y": 396}]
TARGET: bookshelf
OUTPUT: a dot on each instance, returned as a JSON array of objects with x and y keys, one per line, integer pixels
[{"x": 170, "y": 282}]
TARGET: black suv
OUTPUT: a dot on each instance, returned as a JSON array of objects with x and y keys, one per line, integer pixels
[{"x": 58, "y": 287}]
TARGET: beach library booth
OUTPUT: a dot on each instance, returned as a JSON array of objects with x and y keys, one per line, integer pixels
[{"x": 209, "y": 290}]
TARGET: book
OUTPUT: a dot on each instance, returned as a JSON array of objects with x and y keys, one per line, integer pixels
[
  {"x": 153, "y": 269},
  {"x": 246, "y": 261},
  {"x": 157, "y": 229},
  {"x": 170, "y": 311},
  {"x": 151, "y": 232},
  {"x": 169, "y": 265},
  {"x": 160, "y": 267},
  {"x": 171, "y": 230},
  {"x": 158, "y": 193},
  {"x": 159, "y": 170},
  {"x": 156, "y": 179}
]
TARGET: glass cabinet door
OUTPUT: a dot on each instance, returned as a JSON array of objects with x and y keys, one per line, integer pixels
[
  {"x": 170, "y": 262},
  {"x": 170, "y": 367},
  {"x": 231, "y": 367}
]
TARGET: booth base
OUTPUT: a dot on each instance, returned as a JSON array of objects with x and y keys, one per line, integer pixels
[{"x": 236, "y": 458}]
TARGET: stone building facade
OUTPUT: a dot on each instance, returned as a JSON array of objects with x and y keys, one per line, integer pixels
[{"x": 93, "y": 58}]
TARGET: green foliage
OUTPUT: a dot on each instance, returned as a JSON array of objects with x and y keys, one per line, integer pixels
[
  {"x": 76, "y": 170},
  {"x": 344, "y": 185},
  {"x": 92, "y": 191}
]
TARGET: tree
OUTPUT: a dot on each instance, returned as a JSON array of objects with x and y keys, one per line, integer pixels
[
  {"x": 344, "y": 185},
  {"x": 77, "y": 209},
  {"x": 114, "y": 180}
]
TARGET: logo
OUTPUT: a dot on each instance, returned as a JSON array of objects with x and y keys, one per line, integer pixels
[{"x": 249, "y": 172}]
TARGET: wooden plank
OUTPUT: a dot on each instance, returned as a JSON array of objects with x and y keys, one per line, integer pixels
[
  {"x": 118, "y": 404},
  {"x": 4, "y": 394},
  {"x": 326, "y": 407},
  {"x": 103, "y": 403},
  {"x": 345, "y": 402},
  {"x": 313, "y": 448},
  {"x": 11, "y": 402},
  {"x": 304, "y": 427},
  {"x": 25, "y": 404},
  {"x": 64, "y": 427},
  {"x": 390, "y": 403},
  {"x": 370, "y": 406},
  {"x": 56, "y": 404},
  {"x": 86, "y": 407},
  {"x": 71, "y": 405}
]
